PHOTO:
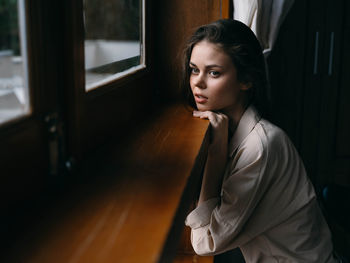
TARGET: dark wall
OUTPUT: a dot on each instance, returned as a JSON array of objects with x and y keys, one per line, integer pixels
[{"x": 174, "y": 23}]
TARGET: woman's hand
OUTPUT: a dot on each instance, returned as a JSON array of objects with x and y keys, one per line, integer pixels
[
  {"x": 217, "y": 154},
  {"x": 219, "y": 131}
]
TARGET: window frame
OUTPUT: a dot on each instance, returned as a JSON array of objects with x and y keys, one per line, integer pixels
[
  {"x": 83, "y": 105},
  {"x": 125, "y": 74}
]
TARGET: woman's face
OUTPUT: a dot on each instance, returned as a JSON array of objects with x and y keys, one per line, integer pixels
[{"x": 213, "y": 79}]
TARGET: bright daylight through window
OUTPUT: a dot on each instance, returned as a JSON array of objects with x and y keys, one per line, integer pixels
[
  {"x": 114, "y": 39},
  {"x": 14, "y": 99}
]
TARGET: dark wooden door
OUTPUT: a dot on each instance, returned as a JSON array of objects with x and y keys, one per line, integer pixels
[
  {"x": 309, "y": 87},
  {"x": 334, "y": 153},
  {"x": 26, "y": 143}
]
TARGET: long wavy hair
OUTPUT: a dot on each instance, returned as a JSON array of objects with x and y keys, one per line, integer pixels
[{"x": 240, "y": 43}]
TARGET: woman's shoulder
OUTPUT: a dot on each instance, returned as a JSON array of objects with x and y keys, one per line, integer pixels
[
  {"x": 265, "y": 139},
  {"x": 271, "y": 133},
  {"x": 275, "y": 142},
  {"x": 251, "y": 149},
  {"x": 263, "y": 133}
]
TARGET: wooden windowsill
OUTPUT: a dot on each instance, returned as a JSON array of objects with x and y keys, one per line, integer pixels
[{"x": 135, "y": 212}]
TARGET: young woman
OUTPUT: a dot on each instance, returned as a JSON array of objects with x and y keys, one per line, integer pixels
[{"x": 255, "y": 193}]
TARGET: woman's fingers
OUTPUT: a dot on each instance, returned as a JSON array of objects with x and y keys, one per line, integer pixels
[
  {"x": 214, "y": 117},
  {"x": 201, "y": 114},
  {"x": 206, "y": 115}
]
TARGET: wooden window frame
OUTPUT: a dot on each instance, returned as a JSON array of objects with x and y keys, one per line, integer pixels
[{"x": 81, "y": 104}]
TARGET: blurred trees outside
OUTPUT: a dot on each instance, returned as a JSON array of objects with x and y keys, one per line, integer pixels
[
  {"x": 104, "y": 19},
  {"x": 9, "y": 30},
  {"x": 112, "y": 19}
]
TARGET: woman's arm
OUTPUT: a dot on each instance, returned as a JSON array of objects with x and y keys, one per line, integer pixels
[
  {"x": 217, "y": 155},
  {"x": 217, "y": 222}
]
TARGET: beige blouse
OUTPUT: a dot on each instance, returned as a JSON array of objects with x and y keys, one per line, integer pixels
[{"x": 267, "y": 206}]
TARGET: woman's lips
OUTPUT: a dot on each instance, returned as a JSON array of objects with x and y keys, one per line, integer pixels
[{"x": 200, "y": 99}]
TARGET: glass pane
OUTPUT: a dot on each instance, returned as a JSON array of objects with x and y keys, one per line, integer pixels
[
  {"x": 14, "y": 100},
  {"x": 113, "y": 39}
]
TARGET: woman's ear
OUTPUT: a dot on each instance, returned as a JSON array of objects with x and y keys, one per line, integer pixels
[{"x": 245, "y": 86}]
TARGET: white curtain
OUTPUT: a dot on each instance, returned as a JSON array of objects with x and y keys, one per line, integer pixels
[{"x": 264, "y": 17}]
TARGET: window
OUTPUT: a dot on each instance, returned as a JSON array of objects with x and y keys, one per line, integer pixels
[
  {"x": 114, "y": 40},
  {"x": 14, "y": 95}
]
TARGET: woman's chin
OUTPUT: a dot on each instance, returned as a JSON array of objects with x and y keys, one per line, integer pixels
[{"x": 202, "y": 107}]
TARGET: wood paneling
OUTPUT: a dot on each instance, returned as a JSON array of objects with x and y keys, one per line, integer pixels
[
  {"x": 227, "y": 8},
  {"x": 176, "y": 21}
]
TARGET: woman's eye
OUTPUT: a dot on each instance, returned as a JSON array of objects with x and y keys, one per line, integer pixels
[
  {"x": 214, "y": 73},
  {"x": 194, "y": 71}
]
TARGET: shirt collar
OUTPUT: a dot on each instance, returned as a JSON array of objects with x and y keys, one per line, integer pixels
[{"x": 246, "y": 124}]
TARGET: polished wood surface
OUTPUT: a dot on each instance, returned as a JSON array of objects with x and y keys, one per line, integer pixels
[
  {"x": 185, "y": 252},
  {"x": 129, "y": 211},
  {"x": 193, "y": 259}
]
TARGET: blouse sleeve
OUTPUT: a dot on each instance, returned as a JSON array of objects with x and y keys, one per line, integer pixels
[{"x": 217, "y": 223}]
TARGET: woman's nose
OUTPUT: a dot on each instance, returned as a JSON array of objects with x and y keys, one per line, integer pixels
[{"x": 199, "y": 81}]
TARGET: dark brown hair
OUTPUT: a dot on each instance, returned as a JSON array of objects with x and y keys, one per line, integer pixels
[{"x": 240, "y": 43}]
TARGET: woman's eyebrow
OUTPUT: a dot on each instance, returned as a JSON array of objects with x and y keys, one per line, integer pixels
[
  {"x": 207, "y": 66},
  {"x": 213, "y": 66}
]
